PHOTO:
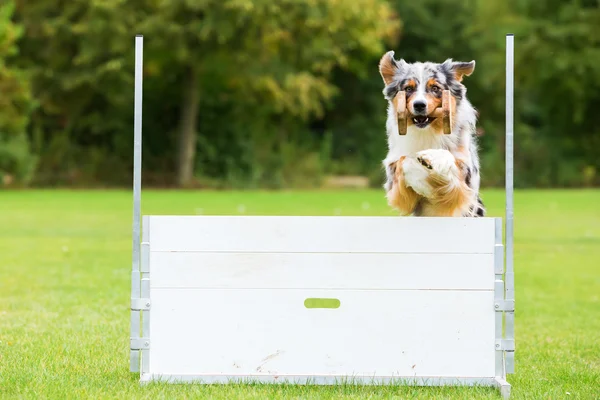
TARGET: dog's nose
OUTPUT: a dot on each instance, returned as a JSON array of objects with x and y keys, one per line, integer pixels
[{"x": 419, "y": 106}]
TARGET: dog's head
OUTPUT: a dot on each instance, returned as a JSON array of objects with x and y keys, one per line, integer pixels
[{"x": 423, "y": 83}]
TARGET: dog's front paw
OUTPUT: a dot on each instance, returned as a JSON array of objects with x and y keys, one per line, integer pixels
[
  {"x": 439, "y": 162},
  {"x": 428, "y": 169},
  {"x": 415, "y": 176}
]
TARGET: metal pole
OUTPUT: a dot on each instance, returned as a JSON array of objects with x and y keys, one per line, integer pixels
[
  {"x": 509, "y": 275},
  {"x": 509, "y": 163},
  {"x": 137, "y": 192}
]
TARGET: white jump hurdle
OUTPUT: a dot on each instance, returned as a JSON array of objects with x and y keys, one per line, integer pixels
[{"x": 322, "y": 300}]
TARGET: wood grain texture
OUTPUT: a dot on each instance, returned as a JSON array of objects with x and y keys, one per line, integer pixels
[
  {"x": 447, "y": 112},
  {"x": 400, "y": 104}
]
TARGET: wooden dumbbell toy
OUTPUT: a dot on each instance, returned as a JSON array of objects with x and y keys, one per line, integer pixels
[{"x": 444, "y": 112}]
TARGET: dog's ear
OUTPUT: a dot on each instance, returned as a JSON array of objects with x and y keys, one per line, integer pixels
[
  {"x": 460, "y": 68},
  {"x": 388, "y": 67}
]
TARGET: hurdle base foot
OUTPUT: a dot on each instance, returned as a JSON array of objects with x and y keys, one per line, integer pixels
[{"x": 503, "y": 386}]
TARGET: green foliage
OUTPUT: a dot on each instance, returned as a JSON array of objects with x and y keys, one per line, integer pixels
[
  {"x": 557, "y": 88},
  {"x": 16, "y": 159},
  {"x": 289, "y": 91},
  {"x": 76, "y": 52},
  {"x": 265, "y": 72}
]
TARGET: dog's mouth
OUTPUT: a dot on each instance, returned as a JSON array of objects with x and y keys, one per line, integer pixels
[{"x": 422, "y": 121}]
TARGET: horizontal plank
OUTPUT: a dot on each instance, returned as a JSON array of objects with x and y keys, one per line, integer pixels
[
  {"x": 371, "y": 333},
  {"x": 286, "y": 234},
  {"x": 322, "y": 270}
]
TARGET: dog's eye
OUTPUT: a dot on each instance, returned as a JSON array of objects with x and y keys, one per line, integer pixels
[
  {"x": 409, "y": 89},
  {"x": 435, "y": 89}
]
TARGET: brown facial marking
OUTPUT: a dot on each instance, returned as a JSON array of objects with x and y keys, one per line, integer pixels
[
  {"x": 432, "y": 82},
  {"x": 401, "y": 197},
  {"x": 434, "y": 99},
  {"x": 433, "y": 102},
  {"x": 409, "y": 87}
]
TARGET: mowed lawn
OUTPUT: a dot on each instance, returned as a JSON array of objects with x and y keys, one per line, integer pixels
[{"x": 65, "y": 260}]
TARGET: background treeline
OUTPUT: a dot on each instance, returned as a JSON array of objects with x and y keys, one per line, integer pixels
[{"x": 263, "y": 93}]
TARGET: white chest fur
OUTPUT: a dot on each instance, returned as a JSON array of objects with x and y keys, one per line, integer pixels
[{"x": 416, "y": 140}]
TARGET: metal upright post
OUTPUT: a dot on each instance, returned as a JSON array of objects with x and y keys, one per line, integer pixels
[
  {"x": 137, "y": 192},
  {"x": 509, "y": 275}
]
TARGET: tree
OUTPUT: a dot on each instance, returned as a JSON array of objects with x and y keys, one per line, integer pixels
[
  {"x": 557, "y": 73},
  {"x": 278, "y": 55},
  {"x": 16, "y": 160},
  {"x": 78, "y": 53}
]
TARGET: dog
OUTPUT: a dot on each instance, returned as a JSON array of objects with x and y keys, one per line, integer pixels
[{"x": 427, "y": 172}]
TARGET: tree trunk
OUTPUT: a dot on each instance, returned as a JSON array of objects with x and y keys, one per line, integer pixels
[{"x": 187, "y": 133}]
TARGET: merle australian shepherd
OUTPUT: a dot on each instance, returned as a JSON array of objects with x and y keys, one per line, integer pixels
[{"x": 429, "y": 173}]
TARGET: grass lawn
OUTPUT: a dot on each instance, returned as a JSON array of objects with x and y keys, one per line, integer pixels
[{"x": 65, "y": 259}]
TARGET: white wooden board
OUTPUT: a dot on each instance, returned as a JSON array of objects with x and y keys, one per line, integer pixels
[
  {"x": 372, "y": 333},
  {"x": 416, "y": 297},
  {"x": 321, "y": 234},
  {"x": 321, "y": 270}
]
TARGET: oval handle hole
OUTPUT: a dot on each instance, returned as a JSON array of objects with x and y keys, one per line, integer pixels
[{"x": 313, "y": 302}]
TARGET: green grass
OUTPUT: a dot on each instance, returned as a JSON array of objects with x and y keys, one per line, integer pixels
[{"x": 65, "y": 259}]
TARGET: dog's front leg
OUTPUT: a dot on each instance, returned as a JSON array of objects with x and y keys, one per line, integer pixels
[
  {"x": 436, "y": 175},
  {"x": 469, "y": 167},
  {"x": 399, "y": 196}
]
